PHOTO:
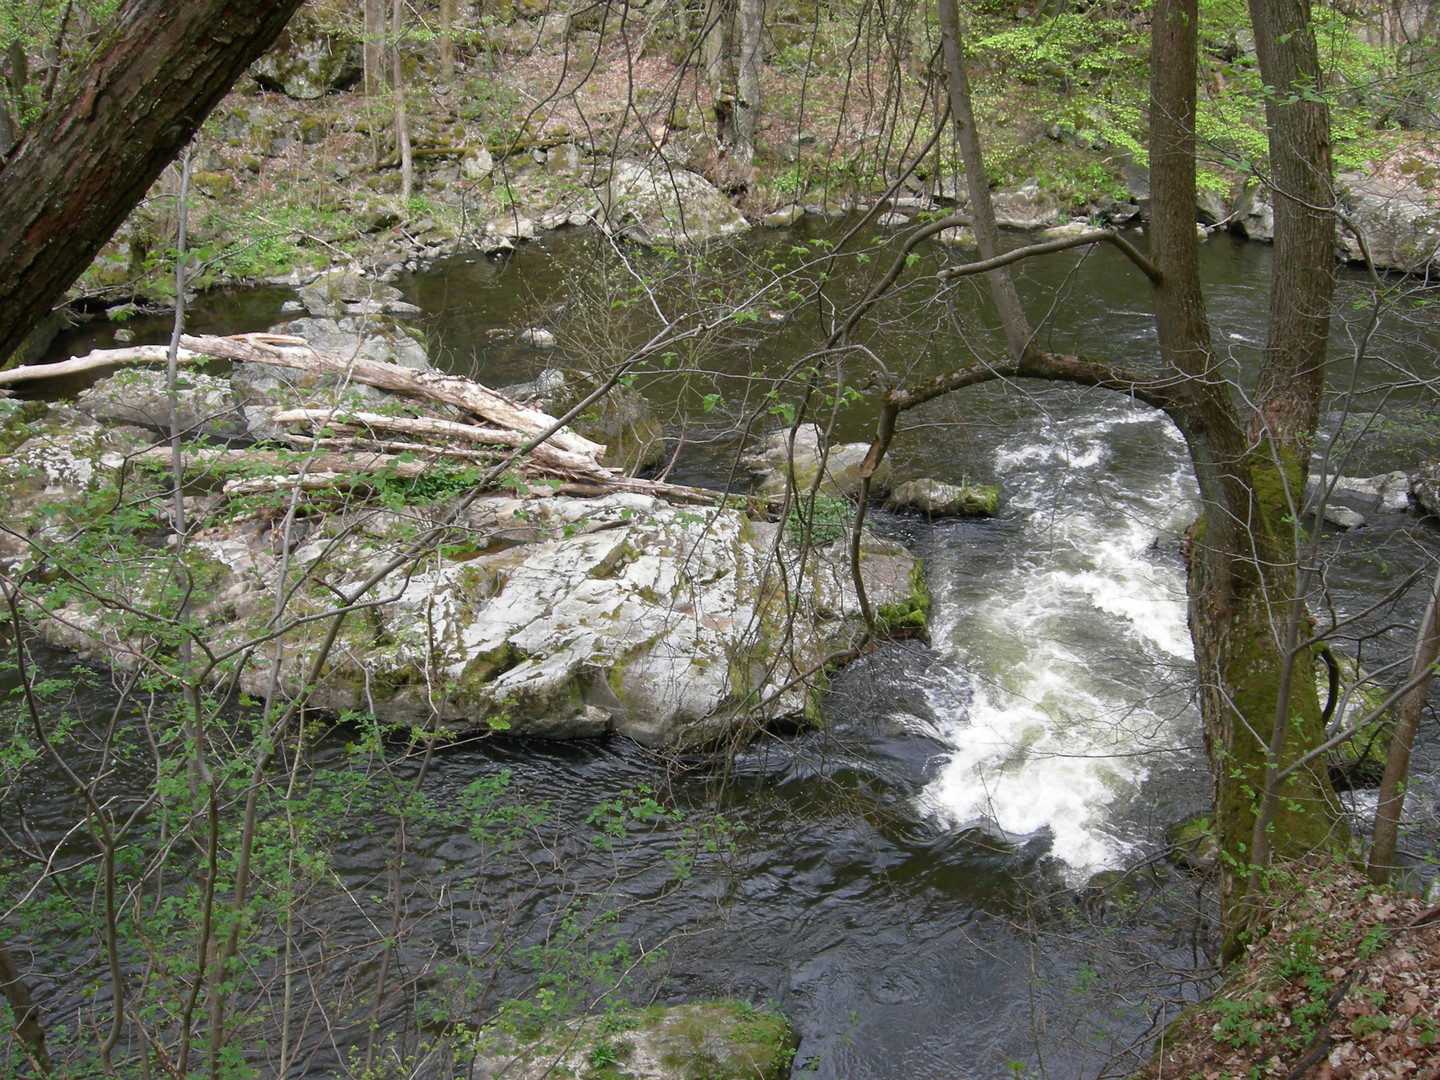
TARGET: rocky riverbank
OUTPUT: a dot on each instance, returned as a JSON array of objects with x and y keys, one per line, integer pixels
[{"x": 487, "y": 586}]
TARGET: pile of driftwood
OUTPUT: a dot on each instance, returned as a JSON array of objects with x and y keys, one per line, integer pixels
[{"x": 491, "y": 430}]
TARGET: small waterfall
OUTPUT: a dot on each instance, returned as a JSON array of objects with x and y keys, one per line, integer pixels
[{"x": 1066, "y": 654}]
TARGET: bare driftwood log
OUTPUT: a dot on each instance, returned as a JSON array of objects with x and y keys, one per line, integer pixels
[
  {"x": 565, "y": 457},
  {"x": 453, "y": 390},
  {"x": 94, "y": 361},
  {"x": 543, "y": 454}
]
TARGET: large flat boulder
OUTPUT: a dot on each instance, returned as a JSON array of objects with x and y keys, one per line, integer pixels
[{"x": 658, "y": 204}]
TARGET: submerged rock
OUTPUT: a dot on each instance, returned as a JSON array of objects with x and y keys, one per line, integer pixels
[{"x": 720, "y": 1040}]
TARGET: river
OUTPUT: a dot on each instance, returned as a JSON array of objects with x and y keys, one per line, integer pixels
[{"x": 915, "y": 886}]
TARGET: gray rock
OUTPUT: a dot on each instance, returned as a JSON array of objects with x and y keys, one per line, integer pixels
[
  {"x": 771, "y": 459},
  {"x": 784, "y": 217},
  {"x": 342, "y": 292},
  {"x": 681, "y": 1042},
  {"x": 205, "y": 406},
  {"x": 308, "y": 65},
  {"x": 1343, "y": 516},
  {"x": 1388, "y": 492},
  {"x": 659, "y": 205},
  {"x": 620, "y": 615},
  {"x": 1426, "y": 488},
  {"x": 1401, "y": 223},
  {"x": 1212, "y": 207},
  {"x": 261, "y": 390},
  {"x": 934, "y": 498},
  {"x": 511, "y": 227},
  {"x": 1254, "y": 216},
  {"x": 537, "y": 336},
  {"x": 1026, "y": 207},
  {"x": 961, "y": 236},
  {"x": 892, "y": 220},
  {"x": 1066, "y": 231}
]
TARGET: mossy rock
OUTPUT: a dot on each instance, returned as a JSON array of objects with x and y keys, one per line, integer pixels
[
  {"x": 910, "y": 617},
  {"x": 713, "y": 1040},
  {"x": 215, "y": 184},
  {"x": 1359, "y": 761},
  {"x": 1193, "y": 844}
]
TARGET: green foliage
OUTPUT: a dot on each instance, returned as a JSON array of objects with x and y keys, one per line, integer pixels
[{"x": 818, "y": 520}]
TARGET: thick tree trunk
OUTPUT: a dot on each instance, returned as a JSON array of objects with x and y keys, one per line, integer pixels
[
  {"x": 1257, "y": 694},
  {"x": 1302, "y": 284},
  {"x": 80, "y": 169}
]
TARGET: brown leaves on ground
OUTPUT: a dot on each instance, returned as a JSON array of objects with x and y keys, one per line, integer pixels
[{"x": 1345, "y": 986}]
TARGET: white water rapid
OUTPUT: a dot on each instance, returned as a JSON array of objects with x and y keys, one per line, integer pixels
[{"x": 1069, "y": 658}]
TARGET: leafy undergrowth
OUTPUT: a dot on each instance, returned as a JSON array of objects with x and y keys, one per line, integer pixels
[{"x": 1345, "y": 986}]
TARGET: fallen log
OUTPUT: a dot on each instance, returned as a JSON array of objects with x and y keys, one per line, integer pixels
[
  {"x": 97, "y": 360},
  {"x": 455, "y": 390},
  {"x": 544, "y": 453}
]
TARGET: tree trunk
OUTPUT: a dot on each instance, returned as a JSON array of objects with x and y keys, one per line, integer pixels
[
  {"x": 1302, "y": 283},
  {"x": 22, "y": 1009},
  {"x": 1397, "y": 760},
  {"x": 447, "y": 41},
  {"x": 374, "y": 46},
  {"x": 720, "y": 72},
  {"x": 982, "y": 210},
  {"x": 81, "y": 168},
  {"x": 750, "y": 15},
  {"x": 1257, "y": 694},
  {"x": 402, "y": 123}
]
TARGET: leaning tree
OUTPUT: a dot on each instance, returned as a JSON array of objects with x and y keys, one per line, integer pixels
[
  {"x": 119, "y": 118},
  {"x": 1254, "y": 643}
]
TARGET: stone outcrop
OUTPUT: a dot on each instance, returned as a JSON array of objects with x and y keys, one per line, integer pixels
[
  {"x": 1025, "y": 207},
  {"x": 531, "y": 612},
  {"x": 1400, "y": 222},
  {"x": 934, "y": 498},
  {"x": 308, "y": 62},
  {"x": 655, "y": 204},
  {"x": 567, "y": 618},
  {"x": 1425, "y": 487},
  {"x": 770, "y": 460}
]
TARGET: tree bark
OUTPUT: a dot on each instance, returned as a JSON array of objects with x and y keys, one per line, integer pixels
[
  {"x": 1302, "y": 284},
  {"x": 982, "y": 210},
  {"x": 1258, "y": 701},
  {"x": 24, "y": 1010},
  {"x": 447, "y": 41},
  {"x": 402, "y": 123},
  {"x": 374, "y": 46},
  {"x": 80, "y": 169},
  {"x": 1397, "y": 760},
  {"x": 749, "y": 16}
]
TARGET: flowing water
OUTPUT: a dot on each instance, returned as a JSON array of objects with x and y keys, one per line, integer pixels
[{"x": 910, "y": 885}]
